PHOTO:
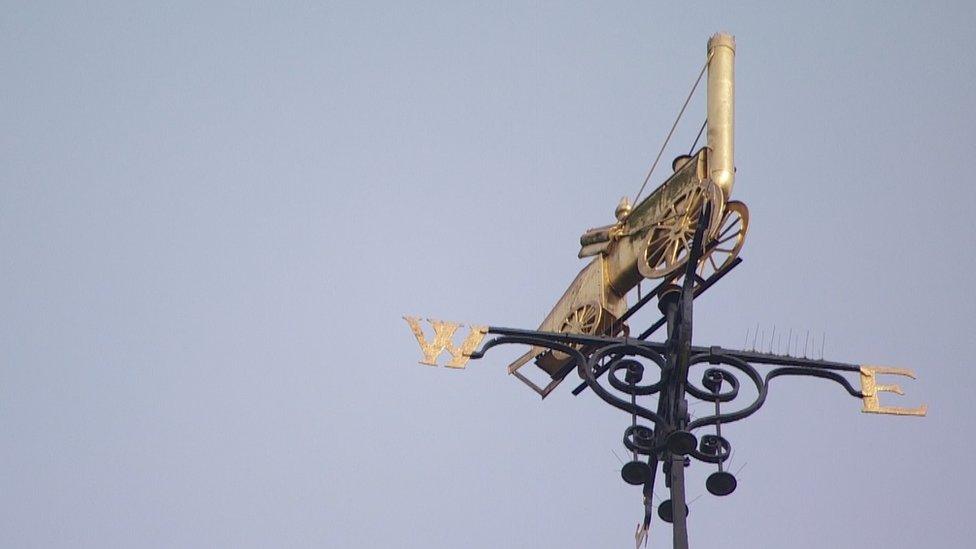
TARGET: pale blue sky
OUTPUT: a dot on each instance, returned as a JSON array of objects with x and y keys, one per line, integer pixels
[{"x": 212, "y": 218}]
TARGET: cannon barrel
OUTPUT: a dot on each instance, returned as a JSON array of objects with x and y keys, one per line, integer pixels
[{"x": 721, "y": 111}]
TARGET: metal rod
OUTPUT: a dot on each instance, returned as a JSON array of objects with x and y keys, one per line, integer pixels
[
  {"x": 700, "y": 289},
  {"x": 680, "y": 327},
  {"x": 748, "y": 356},
  {"x": 680, "y": 524},
  {"x": 718, "y": 424}
]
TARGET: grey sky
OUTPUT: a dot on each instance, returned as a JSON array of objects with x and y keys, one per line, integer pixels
[{"x": 212, "y": 219}]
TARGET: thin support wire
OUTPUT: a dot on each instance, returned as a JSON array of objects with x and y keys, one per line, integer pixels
[{"x": 673, "y": 126}]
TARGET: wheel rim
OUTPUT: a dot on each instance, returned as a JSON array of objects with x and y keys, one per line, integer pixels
[
  {"x": 584, "y": 320},
  {"x": 728, "y": 241}
]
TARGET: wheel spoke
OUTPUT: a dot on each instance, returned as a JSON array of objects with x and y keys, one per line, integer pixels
[
  {"x": 658, "y": 239},
  {"x": 674, "y": 256},
  {"x": 654, "y": 257},
  {"x": 667, "y": 254},
  {"x": 667, "y": 221},
  {"x": 583, "y": 320},
  {"x": 681, "y": 253}
]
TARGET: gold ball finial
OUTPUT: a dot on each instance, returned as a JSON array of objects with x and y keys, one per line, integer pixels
[{"x": 623, "y": 209}]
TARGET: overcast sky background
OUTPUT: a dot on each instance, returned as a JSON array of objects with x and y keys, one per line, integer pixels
[{"x": 213, "y": 217}]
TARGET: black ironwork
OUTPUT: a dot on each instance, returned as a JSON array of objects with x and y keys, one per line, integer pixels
[{"x": 666, "y": 436}]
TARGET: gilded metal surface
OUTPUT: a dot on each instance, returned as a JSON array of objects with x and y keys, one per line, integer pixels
[
  {"x": 640, "y": 536},
  {"x": 721, "y": 111},
  {"x": 648, "y": 210},
  {"x": 628, "y": 251},
  {"x": 651, "y": 239},
  {"x": 589, "y": 306},
  {"x": 870, "y": 389},
  {"x": 623, "y": 210},
  {"x": 444, "y": 341}
]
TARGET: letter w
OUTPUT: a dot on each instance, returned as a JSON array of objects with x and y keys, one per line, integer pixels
[{"x": 444, "y": 341}]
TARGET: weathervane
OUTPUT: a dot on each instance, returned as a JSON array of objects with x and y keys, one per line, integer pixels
[{"x": 687, "y": 234}]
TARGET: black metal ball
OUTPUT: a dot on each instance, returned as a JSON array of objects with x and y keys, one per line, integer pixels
[
  {"x": 721, "y": 483},
  {"x": 682, "y": 442},
  {"x": 666, "y": 511},
  {"x": 636, "y": 472}
]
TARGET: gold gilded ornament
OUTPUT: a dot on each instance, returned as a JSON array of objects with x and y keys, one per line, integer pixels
[
  {"x": 444, "y": 341},
  {"x": 870, "y": 389}
]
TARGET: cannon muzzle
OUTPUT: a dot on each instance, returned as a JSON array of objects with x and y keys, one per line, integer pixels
[{"x": 721, "y": 111}]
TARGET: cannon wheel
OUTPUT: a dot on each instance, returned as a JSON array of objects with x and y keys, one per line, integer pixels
[
  {"x": 728, "y": 241},
  {"x": 584, "y": 320},
  {"x": 668, "y": 242}
]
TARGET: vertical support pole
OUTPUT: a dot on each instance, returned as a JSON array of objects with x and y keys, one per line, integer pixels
[
  {"x": 671, "y": 404},
  {"x": 677, "y": 304},
  {"x": 680, "y": 524}
]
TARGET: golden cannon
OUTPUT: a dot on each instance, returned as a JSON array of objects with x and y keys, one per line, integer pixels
[{"x": 652, "y": 239}]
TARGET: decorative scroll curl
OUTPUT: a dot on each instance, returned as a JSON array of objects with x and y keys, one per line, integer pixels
[
  {"x": 615, "y": 353},
  {"x": 713, "y": 449},
  {"x": 640, "y": 439},
  {"x": 712, "y": 375}
]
